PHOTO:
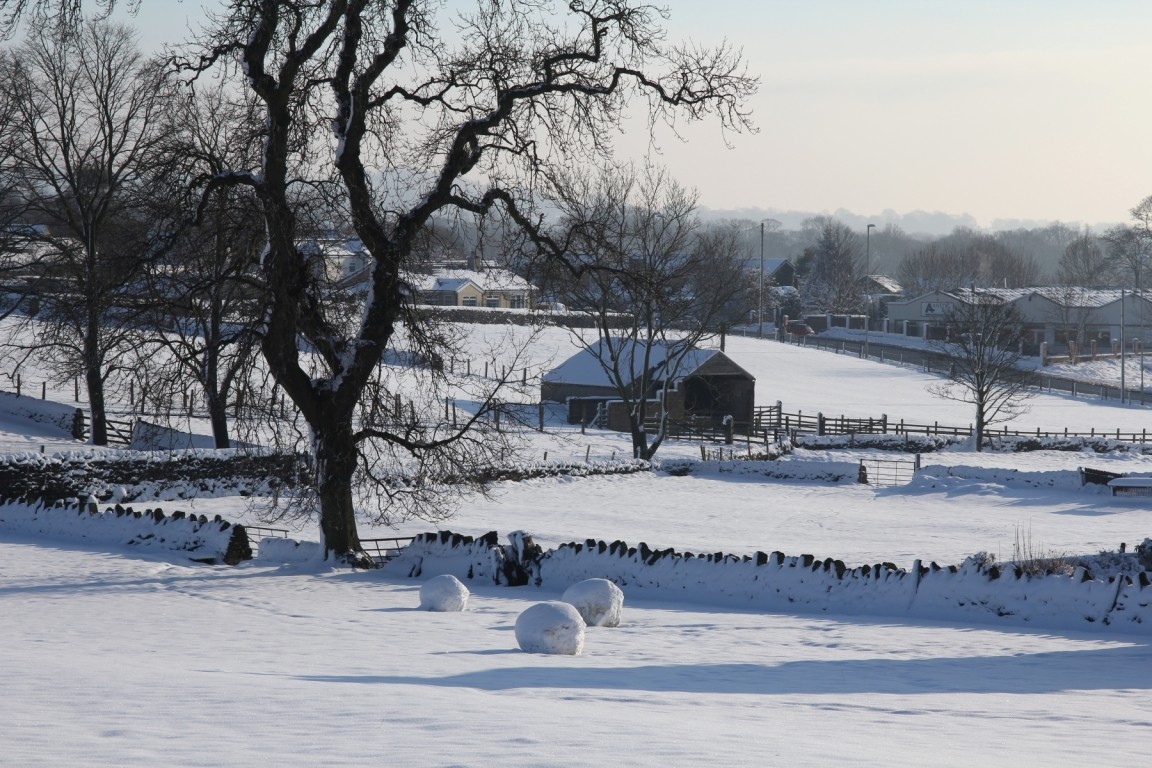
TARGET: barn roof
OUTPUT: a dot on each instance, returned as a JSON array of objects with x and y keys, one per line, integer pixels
[{"x": 585, "y": 368}]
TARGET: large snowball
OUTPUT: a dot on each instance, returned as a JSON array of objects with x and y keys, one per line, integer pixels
[
  {"x": 443, "y": 593},
  {"x": 551, "y": 627},
  {"x": 598, "y": 600}
]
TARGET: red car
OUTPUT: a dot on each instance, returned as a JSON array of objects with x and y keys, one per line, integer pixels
[{"x": 798, "y": 328}]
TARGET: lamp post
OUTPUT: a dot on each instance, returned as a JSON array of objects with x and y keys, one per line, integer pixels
[
  {"x": 1123, "y": 383},
  {"x": 867, "y": 270},
  {"x": 760, "y": 307},
  {"x": 1139, "y": 348}
]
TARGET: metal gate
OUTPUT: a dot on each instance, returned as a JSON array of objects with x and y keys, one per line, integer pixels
[{"x": 884, "y": 473}]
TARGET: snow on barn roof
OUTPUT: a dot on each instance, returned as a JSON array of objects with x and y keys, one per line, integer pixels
[{"x": 585, "y": 368}]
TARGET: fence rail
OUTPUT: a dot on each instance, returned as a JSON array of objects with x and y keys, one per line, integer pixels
[
  {"x": 931, "y": 361},
  {"x": 119, "y": 432},
  {"x": 383, "y": 550},
  {"x": 256, "y": 533},
  {"x": 774, "y": 419}
]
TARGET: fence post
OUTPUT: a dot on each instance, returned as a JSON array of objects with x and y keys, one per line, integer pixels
[
  {"x": 819, "y": 424},
  {"x": 43, "y": 390}
]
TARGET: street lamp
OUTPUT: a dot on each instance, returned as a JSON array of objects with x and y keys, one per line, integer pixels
[
  {"x": 867, "y": 270},
  {"x": 760, "y": 308}
]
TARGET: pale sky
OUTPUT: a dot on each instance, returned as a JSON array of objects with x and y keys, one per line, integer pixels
[{"x": 1001, "y": 109}]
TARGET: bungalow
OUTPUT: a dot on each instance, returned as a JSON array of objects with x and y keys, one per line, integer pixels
[
  {"x": 493, "y": 288},
  {"x": 1062, "y": 318}
]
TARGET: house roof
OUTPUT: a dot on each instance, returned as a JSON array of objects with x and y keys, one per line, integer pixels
[
  {"x": 1066, "y": 296},
  {"x": 886, "y": 283},
  {"x": 584, "y": 367},
  {"x": 1079, "y": 297},
  {"x": 455, "y": 279}
]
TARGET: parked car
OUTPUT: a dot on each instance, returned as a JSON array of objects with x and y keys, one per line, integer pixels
[{"x": 798, "y": 328}]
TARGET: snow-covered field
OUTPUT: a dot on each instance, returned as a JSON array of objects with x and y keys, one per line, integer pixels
[{"x": 113, "y": 657}]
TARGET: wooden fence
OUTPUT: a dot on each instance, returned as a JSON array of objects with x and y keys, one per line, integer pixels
[{"x": 774, "y": 420}]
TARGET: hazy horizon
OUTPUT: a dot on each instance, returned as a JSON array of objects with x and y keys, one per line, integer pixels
[
  {"x": 989, "y": 114},
  {"x": 934, "y": 223}
]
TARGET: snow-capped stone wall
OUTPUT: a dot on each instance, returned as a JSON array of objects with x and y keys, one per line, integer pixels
[
  {"x": 974, "y": 590},
  {"x": 40, "y": 411},
  {"x": 204, "y": 540},
  {"x": 483, "y": 559},
  {"x": 131, "y": 475}
]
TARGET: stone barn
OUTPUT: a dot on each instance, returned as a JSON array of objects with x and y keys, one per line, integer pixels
[{"x": 705, "y": 387}]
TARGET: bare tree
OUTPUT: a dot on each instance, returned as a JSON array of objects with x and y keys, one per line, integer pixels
[
  {"x": 85, "y": 146},
  {"x": 205, "y": 324},
  {"x": 725, "y": 278},
  {"x": 984, "y": 346},
  {"x": 833, "y": 281},
  {"x": 1084, "y": 263},
  {"x": 967, "y": 258},
  {"x": 13, "y": 236},
  {"x": 470, "y": 121},
  {"x": 1128, "y": 255},
  {"x": 936, "y": 267},
  {"x": 634, "y": 246},
  {"x": 56, "y": 14},
  {"x": 1072, "y": 313}
]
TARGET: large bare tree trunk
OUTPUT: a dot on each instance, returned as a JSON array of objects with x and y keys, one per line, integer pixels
[
  {"x": 335, "y": 466},
  {"x": 95, "y": 384},
  {"x": 94, "y": 380}
]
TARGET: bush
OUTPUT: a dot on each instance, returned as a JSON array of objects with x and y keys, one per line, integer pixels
[{"x": 1144, "y": 554}]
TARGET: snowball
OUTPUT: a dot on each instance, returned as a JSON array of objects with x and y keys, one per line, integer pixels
[
  {"x": 551, "y": 627},
  {"x": 598, "y": 600},
  {"x": 443, "y": 593}
]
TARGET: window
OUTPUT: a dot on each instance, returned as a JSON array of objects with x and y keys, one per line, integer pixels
[
  {"x": 516, "y": 301},
  {"x": 468, "y": 301},
  {"x": 492, "y": 300}
]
